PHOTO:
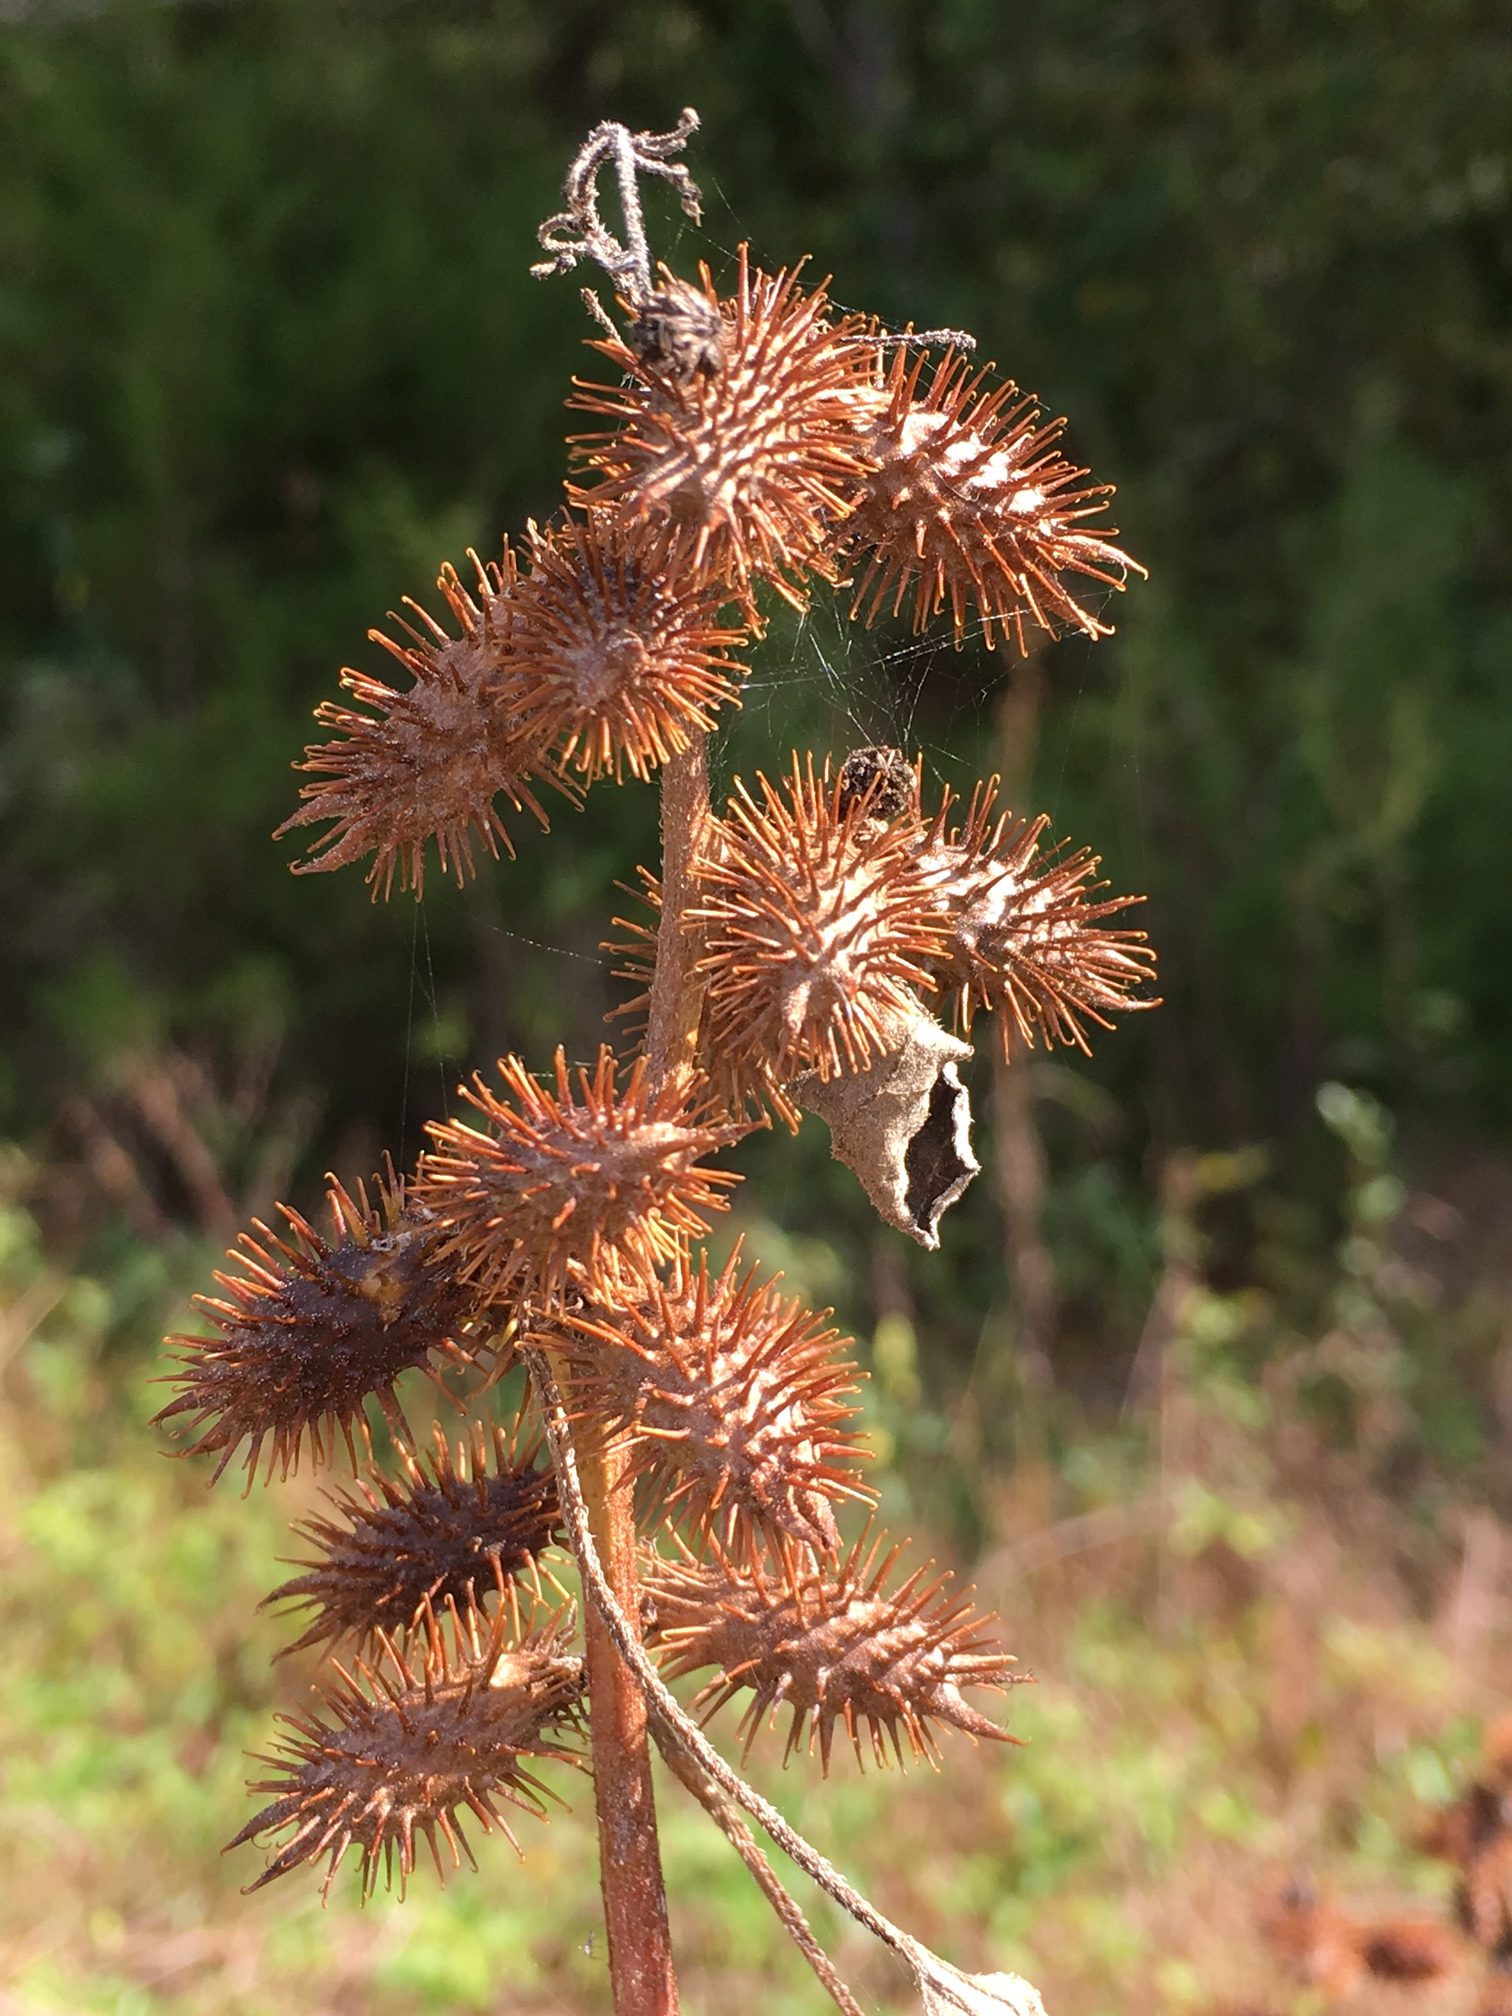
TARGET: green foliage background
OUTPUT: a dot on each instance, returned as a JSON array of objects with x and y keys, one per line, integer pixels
[{"x": 268, "y": 352}]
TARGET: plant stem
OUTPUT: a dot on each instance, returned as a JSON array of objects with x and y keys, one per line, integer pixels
[
  {"x": 672, "y": 1025},
  {"x": 635, "y": 1898}
]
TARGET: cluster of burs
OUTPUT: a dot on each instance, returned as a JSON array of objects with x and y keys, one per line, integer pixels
[{"x": 824, "y": 944}]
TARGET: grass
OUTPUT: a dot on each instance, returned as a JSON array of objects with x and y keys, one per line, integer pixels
[{"x": 1216, "y": 1702}]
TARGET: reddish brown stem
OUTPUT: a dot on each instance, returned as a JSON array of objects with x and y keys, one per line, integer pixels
[
  {"x": 672, "y": 1028},
  {"x": 635, "y": 1898}
]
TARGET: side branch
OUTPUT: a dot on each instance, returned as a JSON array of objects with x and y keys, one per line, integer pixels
[{"x": 722, "y": 1810}]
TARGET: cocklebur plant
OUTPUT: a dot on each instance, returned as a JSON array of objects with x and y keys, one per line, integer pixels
[{"x": 825, "y": 943}]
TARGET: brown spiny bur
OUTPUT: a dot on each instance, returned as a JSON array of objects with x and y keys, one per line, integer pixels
[
  {"x": 1311, "y": 1937},
  {"x": 733, "y": 1400},
  {"x": 570, "y": 1184},
  {"x": 311, "y": 1327},
  {"x": 401, "y": 1746},
  {"x": 427, "y": 763},
  {"x": 817, "y": 925},
  {"x": 458, "y": 1531},
  {"x": 1028, "y": 939},
  {"x": 1483, "y": 1890},
  {"x": 972, "y": 505},
  {"x": 752, "y": 464},
  {"x": 831, "y": 1642},
  {"x": 1410, "y": 1949},
  {"x": 617, "y": 659}
]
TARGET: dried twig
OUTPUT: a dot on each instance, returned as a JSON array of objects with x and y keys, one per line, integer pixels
[{"x": 578, "y": 232}]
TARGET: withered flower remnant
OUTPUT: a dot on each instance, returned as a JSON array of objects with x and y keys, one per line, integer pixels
[
  {"x": 310, "y": 1328},
  {"x": 572, "y": 1184},
  {"x": 465, "y": 1528},
  {"x": 403, "y": 1745},
  {"x": 971, "y": 504},
  {"x": 733, "y": 1402},
  {"x": 749, "y": 450},
  {"x": 831, "y": 1642}
]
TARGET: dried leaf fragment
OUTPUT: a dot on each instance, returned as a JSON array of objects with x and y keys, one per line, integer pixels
[{"x": 904, "y": 1127}]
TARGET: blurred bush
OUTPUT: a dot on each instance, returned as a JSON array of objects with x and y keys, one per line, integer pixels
[{"x": 268, "y": 352}]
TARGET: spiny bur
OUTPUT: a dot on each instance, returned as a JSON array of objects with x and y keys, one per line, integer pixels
[
  {"x": 971, "y": 508},
  {"x": 749, "y": 465},
  {"x": 733, "y": 1402},
  {"x": 312, "y": 1328},
  {"x": 427, "y": 762},
  {"x": 569, "y": 1183},
  {"x": 401, "y": 1746},
  {"x": 454, "y": 1530},
  {"x": 830, "y": 1642}
]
